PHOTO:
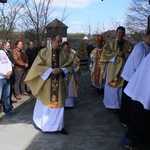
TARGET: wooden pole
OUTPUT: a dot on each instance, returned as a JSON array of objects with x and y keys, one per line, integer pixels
[{"x": 148, "y": 23}]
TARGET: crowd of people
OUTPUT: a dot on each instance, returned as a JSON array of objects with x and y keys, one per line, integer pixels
[
  {"x": 117, "y": 67},
  {"x": 50, "y": 74},
  {"x": 123, "y": 70},
  {"x": 15, "y": 64}
]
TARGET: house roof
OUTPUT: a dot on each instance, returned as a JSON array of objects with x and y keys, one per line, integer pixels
[
  {"x": 88, "y": 37},
  {"x": 110, "y": 34},
  {"x": 85, "y": 38},
  {"x": 56, "y": 23}
]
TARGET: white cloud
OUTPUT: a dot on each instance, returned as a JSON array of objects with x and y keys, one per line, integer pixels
[
  {"x": 72, "y": 3},
  {"x": 76, "y": 27},
  {"x": 89, "y": 12},
  {"x": 77, "y": 23}
]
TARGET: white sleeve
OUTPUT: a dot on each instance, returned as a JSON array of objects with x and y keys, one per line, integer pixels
[
  {"x": 46, "y": 74},
  {"x": 75, "y": 70},
  {"x": 65, "y": 71},
  {"x": 113, "y": 59},
  {"x": 94, "y": 59}
]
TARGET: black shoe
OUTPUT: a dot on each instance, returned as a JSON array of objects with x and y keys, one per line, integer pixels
[
  {"x": 63, "y": 131},
  {"x": 126, "y": 142},
  {"x": 12, "y": 101},
  {"x": 34, "y": 125},
  {"x": 116, "y": 111}
]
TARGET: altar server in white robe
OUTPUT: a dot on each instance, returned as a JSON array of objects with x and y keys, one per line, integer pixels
[
  {"x": 138, "y": 88},
  {"x": 140, "y": 51}
]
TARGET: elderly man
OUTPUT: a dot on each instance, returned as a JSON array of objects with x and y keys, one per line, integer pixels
[{"x": 47, "y": 81}]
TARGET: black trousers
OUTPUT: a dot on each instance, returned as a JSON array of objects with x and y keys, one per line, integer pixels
[
  {"x": 125, "y": 108},
  {"x": 139, "y": 123}
]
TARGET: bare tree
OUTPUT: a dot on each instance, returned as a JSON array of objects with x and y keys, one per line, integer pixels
[
  {"x": 99, "y": 29},
  {"x": 65, "y": 15},
  {"x": 36, "y": 13},
  {"x": 87, "y": 27},
  {"x": 9, "y": 15},
  {"x": 137, "y": 15},
  {"x": 115, "y": 23}
]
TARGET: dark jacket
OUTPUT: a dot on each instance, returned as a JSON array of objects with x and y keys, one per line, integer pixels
[{"x": 31, "y": 54}]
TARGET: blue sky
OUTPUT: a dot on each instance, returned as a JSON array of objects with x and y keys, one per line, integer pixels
[{"x": 94, "y": 13}]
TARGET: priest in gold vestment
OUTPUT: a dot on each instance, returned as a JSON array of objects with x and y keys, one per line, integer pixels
[
  {"x": 47, "y": 81},
  {"x": 114, "y": 56},
  {"x": 95, "y": 65},
  {"x": 73, "y": 77}
]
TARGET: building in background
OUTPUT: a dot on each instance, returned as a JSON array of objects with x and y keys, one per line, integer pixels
[{"x": 56, "y": 27}]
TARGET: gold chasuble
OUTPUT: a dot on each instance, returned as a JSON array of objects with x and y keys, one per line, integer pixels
[
  {"x": 114, "y": 68},
  {"x": 72, "y": 76},
  {"x": 52, "y": 91},
  {"x": 95, "y": 67}
]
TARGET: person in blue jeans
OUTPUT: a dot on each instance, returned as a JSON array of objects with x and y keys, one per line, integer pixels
[{"x": 5, "y": 74}]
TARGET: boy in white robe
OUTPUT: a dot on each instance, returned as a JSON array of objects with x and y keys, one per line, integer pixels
[
  {"x": 140, "y": 51},
  {"x": 138, "y": 130}
]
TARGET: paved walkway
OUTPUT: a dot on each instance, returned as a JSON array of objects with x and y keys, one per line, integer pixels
[{"x": 90, "y": 125}]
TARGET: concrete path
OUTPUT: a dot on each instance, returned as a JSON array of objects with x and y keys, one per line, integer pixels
[{"x": 90, "y": 125}]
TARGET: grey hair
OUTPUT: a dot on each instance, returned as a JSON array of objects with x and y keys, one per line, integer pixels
[{"x": 4, "y": 43}]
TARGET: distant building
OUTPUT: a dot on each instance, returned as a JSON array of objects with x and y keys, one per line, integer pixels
[
  {"x": 88, "y": 37},
  {"x": 108, "y": 35},
  {"x": 56, "y": 27}
]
